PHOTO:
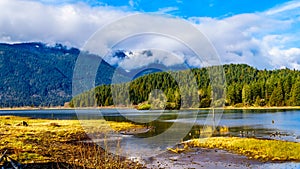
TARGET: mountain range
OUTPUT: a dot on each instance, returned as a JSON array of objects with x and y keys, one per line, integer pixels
[{"x": 36, "y": 74}]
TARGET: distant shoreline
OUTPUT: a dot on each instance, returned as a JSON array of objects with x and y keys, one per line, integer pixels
[
  {"x": 249, "y": 108},
  {"x": 64, "y": 108},
  {"x": 116, "y": 107}
]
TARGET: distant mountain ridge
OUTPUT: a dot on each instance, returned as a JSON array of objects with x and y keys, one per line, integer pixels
[{"x": 35, "y": 74}]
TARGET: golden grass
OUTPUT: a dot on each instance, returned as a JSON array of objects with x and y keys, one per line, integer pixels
[
  {"x": 57, "y": 141},
  {"x": 249, "y": 108},
  {"x": 264, "y": 150}
]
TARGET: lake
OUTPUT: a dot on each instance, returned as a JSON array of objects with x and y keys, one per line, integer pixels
[
  {"x": 170, "y": 127},
  {"x": 262, "y": 122}
]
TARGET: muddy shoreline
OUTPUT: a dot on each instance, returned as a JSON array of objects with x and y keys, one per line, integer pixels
[
  {"x": 210, "y": 159},
  {"x": 200, "y": 158}
]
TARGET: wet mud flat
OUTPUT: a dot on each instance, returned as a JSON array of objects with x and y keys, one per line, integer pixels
[{"x": 210, "y": 159}]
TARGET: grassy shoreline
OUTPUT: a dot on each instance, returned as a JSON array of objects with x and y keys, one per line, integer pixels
[
  {"x": 253, "y": 148},
  {"x": 42, "y": 141},
  {"x": 57, "y": 141},
  {"x": 250, "y": 108},
  {"x": 133, "y": 107},
  {"x": 62, "y": 108}
]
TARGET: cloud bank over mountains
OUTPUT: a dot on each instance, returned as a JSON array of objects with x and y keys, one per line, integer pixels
[{"x": 266, "y": 39}]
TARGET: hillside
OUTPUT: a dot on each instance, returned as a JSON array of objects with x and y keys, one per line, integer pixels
[
  {"x": 34, "y": 74},
  {"x": 246, "y": 86}
]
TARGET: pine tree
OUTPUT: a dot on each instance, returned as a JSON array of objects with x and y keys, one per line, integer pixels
[
  {"x": 277, "y": 97},
  {"x": 296, "y": 94},
  {"x": 231, "y": 95},
  {"x": 246, "y": 95},
  {"x": 106, "y": 102}
]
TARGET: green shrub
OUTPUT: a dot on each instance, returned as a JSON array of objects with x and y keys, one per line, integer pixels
[{"x": 144, "y": 106}]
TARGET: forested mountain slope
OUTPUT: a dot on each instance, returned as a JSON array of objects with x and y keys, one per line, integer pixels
[
  {"x": 34, "y": 74},
  {"x": 245, "y": 86}
]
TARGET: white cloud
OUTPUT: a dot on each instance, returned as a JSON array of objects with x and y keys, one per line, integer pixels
[
  {"x": 69, "y": 24},
  {"x": 268, "y": 39},
  {"x": 262, "y": 39},
  {"x": 142, "y": 32},
  {"x": 140, "y": 59},
  {"x": 289, "y": 57},
  {"x": 283, "y": 8},
  {"x": 164, "y": 50},
  {"x": 151, "y": 41},
  {"x": 167, "y": 10},
  {"x": 133, "y": 3}
]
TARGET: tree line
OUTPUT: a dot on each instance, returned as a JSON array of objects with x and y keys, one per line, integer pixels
[{"x": 245, "y": 86}]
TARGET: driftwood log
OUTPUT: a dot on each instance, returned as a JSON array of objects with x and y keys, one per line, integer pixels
[{"x": 23, "y": 123}]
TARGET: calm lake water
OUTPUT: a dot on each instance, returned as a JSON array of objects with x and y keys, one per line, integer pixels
[
  {"x": 244, "y": 123},
  {"x": 170, "y": 127}
]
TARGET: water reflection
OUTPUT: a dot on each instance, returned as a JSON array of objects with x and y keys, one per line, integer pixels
[{"x": 262, "y": 123}]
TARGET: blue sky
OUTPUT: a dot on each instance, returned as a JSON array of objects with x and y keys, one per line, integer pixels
[
  {"x": 264, "y": 34},
  {"x": 192, "y": 8},
  {"x": 184, "y": 8}
]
